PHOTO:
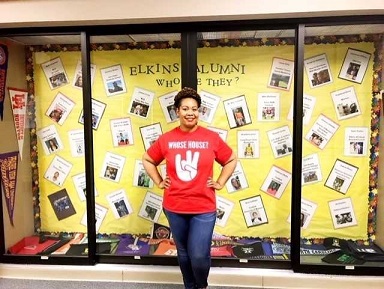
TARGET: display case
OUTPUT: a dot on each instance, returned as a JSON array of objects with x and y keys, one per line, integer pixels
[
  {"x": 300, "y": 104},
  {"x": 341, "y": 107}
]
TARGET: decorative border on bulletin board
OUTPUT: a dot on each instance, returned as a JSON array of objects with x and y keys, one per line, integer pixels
[{"x": 375, "y": 109}]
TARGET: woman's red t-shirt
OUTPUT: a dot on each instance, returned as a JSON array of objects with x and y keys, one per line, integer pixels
[{"x": 189, "y": 160}]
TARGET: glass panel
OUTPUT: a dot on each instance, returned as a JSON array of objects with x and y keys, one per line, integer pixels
[
  {"x": 134, "y": 83},
  {"x": 339, "y": 205},
  {"x": 44, "y": 147},
  {"x": 245, "y": 79}
]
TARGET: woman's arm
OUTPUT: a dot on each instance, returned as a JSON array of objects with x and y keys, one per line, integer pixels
[
  {"x": 225, "y": 173},
  {"x": 151, "y": 169}
]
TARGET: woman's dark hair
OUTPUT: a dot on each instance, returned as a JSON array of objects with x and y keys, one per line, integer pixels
[{"x": 187, "y": 92}]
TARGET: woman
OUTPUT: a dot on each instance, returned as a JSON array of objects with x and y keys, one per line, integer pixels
[{"x": 189, "y": 201}]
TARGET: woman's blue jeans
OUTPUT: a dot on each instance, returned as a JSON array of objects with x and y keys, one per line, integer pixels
[{"x": 192, "y": 234}]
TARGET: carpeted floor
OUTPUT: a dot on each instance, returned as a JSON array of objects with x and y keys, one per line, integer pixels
[{"x": 45, "y": 284}]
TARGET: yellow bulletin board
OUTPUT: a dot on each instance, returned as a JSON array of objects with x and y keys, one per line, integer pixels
[{"x": 226, "y": 72}]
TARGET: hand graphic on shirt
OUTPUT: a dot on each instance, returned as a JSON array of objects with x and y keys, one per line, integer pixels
[{"x": 187, "y": 169}]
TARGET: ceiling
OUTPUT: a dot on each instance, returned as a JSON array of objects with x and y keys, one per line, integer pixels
[{"x": 309, "y": 31}]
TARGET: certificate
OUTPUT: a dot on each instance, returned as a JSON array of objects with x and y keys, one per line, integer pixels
[
  {"x": 121, "y": 130},
  {"x": 113, "y": 80},
  {"x": 280, "y": 140},
  {"x": 237, "y": 180},
  {"x": 356, "y": 141},
  {"x": 345, "y": 102},
  {"x": 76, "y": 142},
  {"x": 150, "y": 133},
  {"x": 55, "y": 73},
  {"x": 248, "y": 144},
  {"x": 281, "y": 73},
  {"x": 209, "y": 104},
  {"x": 224, "y": 208},
  {"x": 167, "y": 104},
  {"x": 112, "y": 167},
  {"x": 237, "y": 111},
  {"x": 78, "y": 79},
  {"x": 50, "y": 139},
  {"x": 342, "y": 213},
  {"x": 98, "y": 109},
  {"x": 341, "y": 176},
  {"x": 60, "y": 108},
  {"x": 322, "y": 131},
  {"x": 318, "y": 70},
  {"x": 141, "y": 102},
  {"x": 253, "y": 211},
  {"x": 268, "y": 107},
  {"x": 58, "y": 171},
  {"x": 276, "y": 182},
  {"x": 151, "y": 207},
  {"x": 119, "y": 204},
  {"x": 311, "y": 172}
]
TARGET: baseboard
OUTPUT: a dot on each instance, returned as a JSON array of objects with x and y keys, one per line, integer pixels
[{"x": 231, "y": 277}]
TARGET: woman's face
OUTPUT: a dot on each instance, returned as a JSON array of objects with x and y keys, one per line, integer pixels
[{"x": 188, "y": 113}]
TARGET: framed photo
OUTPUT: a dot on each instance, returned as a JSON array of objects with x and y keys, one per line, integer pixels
[
  {"x": 62, "y": 204},
  {"x": 355, "y": 65},
  {"x": 237, "y": 111}
]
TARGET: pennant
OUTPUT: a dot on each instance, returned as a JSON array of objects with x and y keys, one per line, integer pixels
[
  {"x": 19, "y": 108},
  {"x": 8, "y": 170},
  {"x": 3, "y": 75}
]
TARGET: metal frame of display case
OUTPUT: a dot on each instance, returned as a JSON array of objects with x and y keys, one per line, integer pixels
[{"x": 189, "y": 78}]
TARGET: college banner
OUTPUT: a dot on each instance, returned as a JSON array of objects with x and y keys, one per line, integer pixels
[
  {"x": 3, "y": 75},
  {"x": 18, "y": 102},
  {"x": 8, "y": 170}
]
